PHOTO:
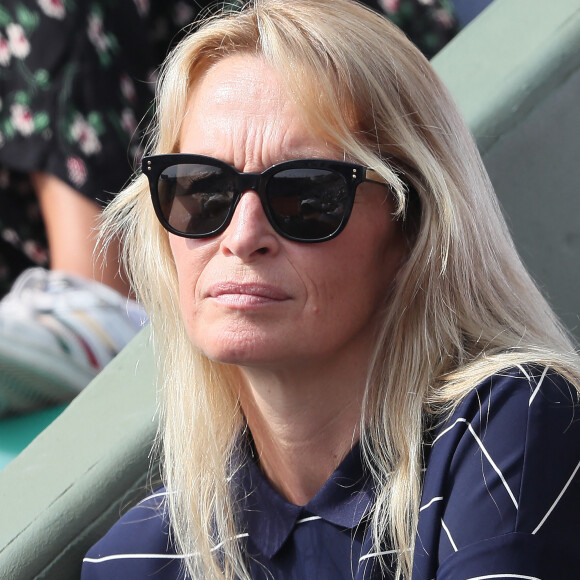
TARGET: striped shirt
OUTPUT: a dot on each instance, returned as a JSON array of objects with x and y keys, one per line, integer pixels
[{"x": 501, "y": 500}]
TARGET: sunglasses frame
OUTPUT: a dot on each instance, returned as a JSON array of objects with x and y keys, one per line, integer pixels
[{"x": 353, "y": 173}]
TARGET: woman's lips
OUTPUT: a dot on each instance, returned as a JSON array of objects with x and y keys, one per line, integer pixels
[{"x": 241, "y": 295}]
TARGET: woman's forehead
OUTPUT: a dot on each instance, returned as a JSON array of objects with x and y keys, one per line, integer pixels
[{"x": 240, "y": 113}]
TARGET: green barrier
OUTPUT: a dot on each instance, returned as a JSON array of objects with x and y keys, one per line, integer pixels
[
  {"x": 515, "y": 74},
  {"x": 65, "y": 489},
  {"x": 508, "y": 60}
]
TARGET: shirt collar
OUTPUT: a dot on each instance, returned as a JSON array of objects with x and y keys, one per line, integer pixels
[{"x": 268, "y": 518}]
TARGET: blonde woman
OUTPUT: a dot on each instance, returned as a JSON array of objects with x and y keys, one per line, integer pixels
[{"x": 358, "y": 378}]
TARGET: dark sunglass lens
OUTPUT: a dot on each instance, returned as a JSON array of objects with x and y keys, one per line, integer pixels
[
  {"x": 308, "y": 204},
  {"x": 195, "y": 199}
]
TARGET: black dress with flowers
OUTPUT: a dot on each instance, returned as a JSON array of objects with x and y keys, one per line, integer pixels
[{"x": 76, "y": 83}]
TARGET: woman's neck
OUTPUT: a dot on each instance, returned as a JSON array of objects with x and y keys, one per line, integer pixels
[{"x": 302, "y": 428}]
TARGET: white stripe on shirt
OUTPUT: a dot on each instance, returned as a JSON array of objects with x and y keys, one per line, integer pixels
[
  {"x": 557, "y": 499},
  {"x": 453, "y": 544},
  {"x": 491, "y": 576},
  {"x": 440, "y": 498},
  {"x": 157, "y": 556},
  {"x": 538, "y": 386},
  {"x": 484, "y": 450}
]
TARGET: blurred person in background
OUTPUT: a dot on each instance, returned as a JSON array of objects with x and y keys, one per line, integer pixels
[{"x": 75, "y": 82}]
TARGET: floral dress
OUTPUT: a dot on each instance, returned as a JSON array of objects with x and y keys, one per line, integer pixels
[{"x": 76, "y": 86}]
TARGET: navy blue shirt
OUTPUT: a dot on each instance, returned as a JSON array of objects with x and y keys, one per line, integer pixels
[{"x": 501, "y": 499}]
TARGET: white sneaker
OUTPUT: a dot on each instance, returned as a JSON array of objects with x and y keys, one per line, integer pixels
[{"x": 57, "y": 331}]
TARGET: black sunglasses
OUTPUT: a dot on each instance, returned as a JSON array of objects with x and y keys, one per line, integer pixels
[{"x": 305, "y": 200}]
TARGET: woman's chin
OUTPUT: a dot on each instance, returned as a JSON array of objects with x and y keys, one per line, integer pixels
[{"x": 251, "y": 351}]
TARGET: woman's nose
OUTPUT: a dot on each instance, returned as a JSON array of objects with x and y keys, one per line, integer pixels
[{"x": 249, "y": 234}]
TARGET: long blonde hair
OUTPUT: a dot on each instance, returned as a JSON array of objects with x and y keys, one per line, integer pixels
[{"x": 463, "y": 307}]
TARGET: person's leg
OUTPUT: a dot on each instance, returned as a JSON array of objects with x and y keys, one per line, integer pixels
[{"x": 71, "y": 222}]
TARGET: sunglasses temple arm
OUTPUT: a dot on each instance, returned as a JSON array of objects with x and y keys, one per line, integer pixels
[{"x": 372, "y": 175}]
